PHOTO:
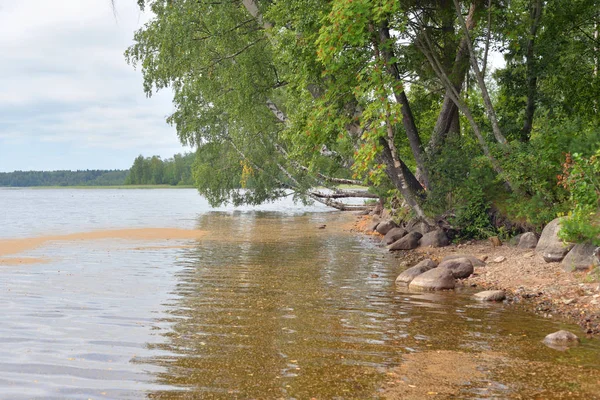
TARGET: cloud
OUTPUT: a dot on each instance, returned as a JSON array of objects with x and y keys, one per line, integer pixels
[{"x": 65, "y": 87}]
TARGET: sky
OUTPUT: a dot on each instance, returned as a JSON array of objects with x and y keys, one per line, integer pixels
[{"x": 68, "y": 99}]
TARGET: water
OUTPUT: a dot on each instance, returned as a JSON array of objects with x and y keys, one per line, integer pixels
[{"x": 265, "y": 306}]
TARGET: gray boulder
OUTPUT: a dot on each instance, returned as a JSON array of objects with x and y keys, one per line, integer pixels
[
  {"x": 408, "y": 242},
  {"x": 514, "y": 241},
  {"x": 580, "y": 258},
  {"x": 459, "y": 267},
  {"x": 490, "y": 295},
  {"x": 561, "y": 339},
  {"x": 528, "y": 240},
  {"x": 435, "y": 238},
  {"x": 373, "y": 225},
  {"x": 434, "y": 279},
  {"x": 394, "y": 235},
  {"x": 411, "y": 273},
  {"x": 550, "y": 246},
  {"x": 385, "y": 226},
  {"x": 418, "y": 225},
  {"x": 474, "y": 260}
]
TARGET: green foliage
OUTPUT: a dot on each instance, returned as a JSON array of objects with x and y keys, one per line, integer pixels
[
  {"x": 63, "y": 178},
  {"x": 154, "y": 171},
  {"x": 582, "y": 178}
]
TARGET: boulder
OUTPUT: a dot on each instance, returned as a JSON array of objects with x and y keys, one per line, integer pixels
[
  {"x": 580, "y": 258},
  {"x": 528, "y": 240},
  {"x": 372, "y": 226},
  {"x": 394, "y": 235},
  {"x": 435, "y": 238},
  {"x": 386, "y": 226},
  {"x": 408, "y": 242},
  {"x": 561, "y": 338},
  {"x": 417, "y": 225},
  {"x": 514, "y": 241},
  {"x": 459, "y": 267},
  {"x": 550, "y": 246},
  {"x": 490, "y": 295},
  {"x": 434, "y": 279},
  {"x": 408, "y": 275},
  {"x": 474, "y": 260}
]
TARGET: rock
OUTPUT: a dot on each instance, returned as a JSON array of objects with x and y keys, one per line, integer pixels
[
  {"x": 528, "y": 240},
  {"x": 499, "y": 259},
  {"x": 495, "y": 241},
  {"x": 372, "y": 226},
  {"x": 580, "y": 258},
  {"x": 490, "y": 295},
  {"x": 394, "y": 235},
  {"x": 408, "y": 275},
  {"x": 550, "y": 246},
  {"x": 474, "y": 260},
  {"x": 408, "y": 242},
  {"x": 363, "y": 212},
  {"x": 561, "y": 338},
  {"x": 386, "y": 214},
  {"x": 514, "y": 241},
  {"x": 435, "y": 238},
  {"x": 378, "y": 209},
  {"x": 416, "y": 225},
  {"x": 459, "y": 267},
  {"x": 386, "y": 226},
  {"x": 434, "y": 279}
]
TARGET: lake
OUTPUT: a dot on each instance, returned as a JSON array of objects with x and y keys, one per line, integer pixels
[{"x": 263, "y": 305}]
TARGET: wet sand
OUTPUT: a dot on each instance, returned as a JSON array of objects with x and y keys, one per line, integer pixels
[{"x": 11, "y": 247}]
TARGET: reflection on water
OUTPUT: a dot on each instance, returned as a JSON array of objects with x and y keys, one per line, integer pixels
[
  {"x": 266, "y": 306},
  {"x": 274, "y": 308}
]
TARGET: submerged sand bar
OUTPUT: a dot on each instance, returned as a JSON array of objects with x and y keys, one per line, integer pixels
[{"x": 10, "y": 247}]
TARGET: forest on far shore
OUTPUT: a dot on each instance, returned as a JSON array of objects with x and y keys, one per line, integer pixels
[{"x": 144, "y": 171}]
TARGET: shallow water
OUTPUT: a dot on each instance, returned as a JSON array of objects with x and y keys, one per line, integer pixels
[{"x": 265, "y": 306}]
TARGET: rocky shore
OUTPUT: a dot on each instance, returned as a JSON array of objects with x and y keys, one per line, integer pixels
[{"x": 546, "y": 276}]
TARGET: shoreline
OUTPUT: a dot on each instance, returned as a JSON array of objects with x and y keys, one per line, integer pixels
[{"x": 528, "y": 281}]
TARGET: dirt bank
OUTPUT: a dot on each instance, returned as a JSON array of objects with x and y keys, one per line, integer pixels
[
  {"x": 11, "y": 247},
  {"x": 529, "y": 281}
]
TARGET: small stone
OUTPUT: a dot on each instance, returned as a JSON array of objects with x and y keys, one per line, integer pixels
[
  {"x": 484, "y": 258},
  {"x": 490, "y": 295},
  {"x": 561, "y": 338},
  {"x": 569, "y": 301},
  {"x": 495, "y": 241},
  {"x": 499, "y": 259}
]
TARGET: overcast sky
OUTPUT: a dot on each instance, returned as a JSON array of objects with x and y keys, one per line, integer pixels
[{"x": 68, "y": 100}]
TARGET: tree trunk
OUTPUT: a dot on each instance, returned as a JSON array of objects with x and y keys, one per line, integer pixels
[
  {"x": 536, "y": 15},
  {"x": 487, "y": 101},
  {"x": 408, "y": 120},
  {"x": 448, "y": 116}
]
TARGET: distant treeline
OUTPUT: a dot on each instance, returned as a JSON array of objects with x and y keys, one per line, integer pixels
[
  {"x": 63, "y": 178},
  {"x": 155, "y": 171}
]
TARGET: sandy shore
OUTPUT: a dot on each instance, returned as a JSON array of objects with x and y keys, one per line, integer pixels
[
  {"x": 10, "y": 249},
  {"x": 529, "y": 281}
]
